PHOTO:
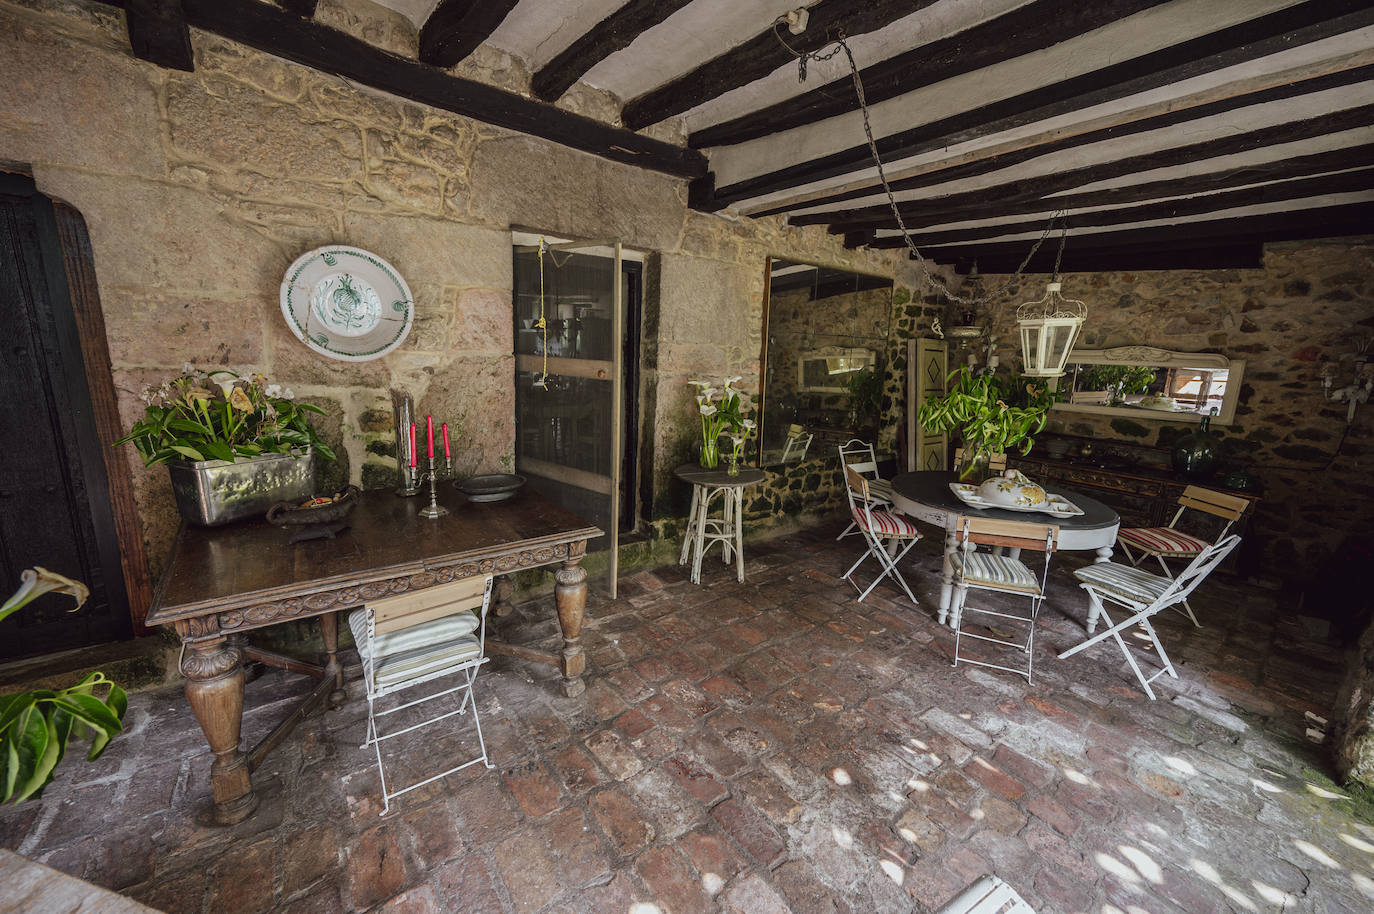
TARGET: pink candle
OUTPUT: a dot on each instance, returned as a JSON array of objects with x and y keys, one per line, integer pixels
[
  {"x": 414, "y": 451},
  {"x": 447, "y": 455},
  {"x": 429, "y": 435}
]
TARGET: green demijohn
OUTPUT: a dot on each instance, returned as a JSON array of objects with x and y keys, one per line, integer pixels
[{"x": 1195, "y": 455}]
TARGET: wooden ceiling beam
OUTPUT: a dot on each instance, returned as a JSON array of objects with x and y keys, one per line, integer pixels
[
  {"x": 1282, "y": 30},
  {"x": 1032, "y": 192},
  {"x": 1351, "y": 181},
  {"x": 1028, "y": 28},
  {"x": 457, "y": 27},
  {"x": 303, "y": 8},
  {"x": 614, "y": 33},
  {"x": 1171, "y": 118},
  {"x": 312, "y": 44},
  {"x": 761, "y": 55},
  {"x": 159, "y": 33},
  {"x": 1236, "y": 255}
]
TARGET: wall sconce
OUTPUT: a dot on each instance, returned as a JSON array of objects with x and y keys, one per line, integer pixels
[{"x": 1358, "y": 390}]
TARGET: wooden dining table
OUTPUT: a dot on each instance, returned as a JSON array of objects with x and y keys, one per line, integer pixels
[
  {"x": 926, "y": 496},
  {"x": 222, "y": 582}
]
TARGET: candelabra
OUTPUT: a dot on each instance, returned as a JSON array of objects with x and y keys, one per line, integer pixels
[{"x": 431, "y": 475}]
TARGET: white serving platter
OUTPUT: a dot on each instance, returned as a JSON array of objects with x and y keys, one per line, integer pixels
[{"x": 1056, "y": 505}]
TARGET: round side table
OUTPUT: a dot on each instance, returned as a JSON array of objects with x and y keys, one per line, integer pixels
[{"x": 727, "y": 528}]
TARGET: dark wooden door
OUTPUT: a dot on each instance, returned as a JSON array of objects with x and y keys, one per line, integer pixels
[{"x": 54, "y": 502}]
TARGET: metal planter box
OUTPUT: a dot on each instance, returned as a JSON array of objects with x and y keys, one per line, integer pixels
[{"x": 213, "y": 492}]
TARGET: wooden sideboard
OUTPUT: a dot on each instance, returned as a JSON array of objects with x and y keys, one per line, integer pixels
[{"x": 1143, "y": 496}]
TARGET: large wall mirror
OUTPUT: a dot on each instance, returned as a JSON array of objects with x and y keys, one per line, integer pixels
[
  {"x": 1148, "y": 383},
  {"x": 824, "y": 339}
]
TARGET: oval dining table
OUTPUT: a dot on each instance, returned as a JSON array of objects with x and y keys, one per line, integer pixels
[{"x": 925, "y": 495}]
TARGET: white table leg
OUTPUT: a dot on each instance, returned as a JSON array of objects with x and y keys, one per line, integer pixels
[
  {"x": 703, "y": 510},
  {"x": 947, "y": 576},
  {"x": 690, "y": 533},
  {"x": 738, "y": 499},
  {"x": 1104, "y": 554}
]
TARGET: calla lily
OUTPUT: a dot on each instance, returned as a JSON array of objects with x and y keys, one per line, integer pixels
[
  {"x": 709, "y": 392},
  {"x": 748, "y": 423},
  {"x": 700, "y": 383},
  {"x": 36, "y": 581},
  {"x": 729, "y": 381},
  {"x": 708, "y": 410}
]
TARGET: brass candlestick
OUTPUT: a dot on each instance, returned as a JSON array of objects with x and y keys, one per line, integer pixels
[{"x": 433, "y": 509}]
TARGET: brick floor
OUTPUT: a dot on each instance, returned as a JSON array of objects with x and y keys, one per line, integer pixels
[{"x": 766, "y": 747}]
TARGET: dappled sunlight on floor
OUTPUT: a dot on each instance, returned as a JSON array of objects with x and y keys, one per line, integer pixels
[{"x": 766, "y": 748}]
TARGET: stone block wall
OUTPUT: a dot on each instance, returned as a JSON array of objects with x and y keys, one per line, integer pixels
[
  {"x": 1311, "y": 302},
  {"x": 200, "y": 188}
]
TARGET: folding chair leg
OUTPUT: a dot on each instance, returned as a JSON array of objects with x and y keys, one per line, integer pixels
[
  {"x": 1187, "y": 610},
  {"x": 889, "y": 564},
  {"x": 852, "y": 528}
]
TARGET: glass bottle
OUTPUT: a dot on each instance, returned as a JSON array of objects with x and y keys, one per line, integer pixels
[{"x": 1195, "y": 455}]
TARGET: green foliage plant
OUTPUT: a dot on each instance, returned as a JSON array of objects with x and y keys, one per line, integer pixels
[
  {"x": 865, "y": 393},
  {"x": 219, "y": 415},
  {"x": 36, "y": 727},
  {"x": 979, "y": 408},
  {"x": 1119, "y": 380}
]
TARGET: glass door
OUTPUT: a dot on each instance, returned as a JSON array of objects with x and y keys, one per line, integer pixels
[{"x": 569, "y": 397}]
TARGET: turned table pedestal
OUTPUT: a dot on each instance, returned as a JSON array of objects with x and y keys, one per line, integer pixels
[{"x": 221, "y": 582}]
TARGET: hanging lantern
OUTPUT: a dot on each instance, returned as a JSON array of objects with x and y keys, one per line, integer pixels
[{"x": 1049, "y": 328}]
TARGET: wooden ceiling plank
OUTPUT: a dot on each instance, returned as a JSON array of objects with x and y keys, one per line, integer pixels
[
  {"x": 1187, "y": 256},
  {"x": 614, "y": 33},
  {"x": 1288, "y": 28},
  {"x": 159, "y": 33},
  {"x": 761, "y": 55},
  {"x": 303, "y": 8},
  {"x": 456, "y": 27},
  {"x": 1274, "y": 191},
  {"x": 1018, "y": 32},
  {"x": 330, "y": 50},
  {"x": 1034, "y": 190},
  {"x": 985, "y": 161}
]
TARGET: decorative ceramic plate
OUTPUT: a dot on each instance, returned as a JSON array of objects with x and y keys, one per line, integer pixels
[
  {"x": 1057, "y": 505},
  {"x": 491, "y": 487},
  {"x": 346, "y": 303}
]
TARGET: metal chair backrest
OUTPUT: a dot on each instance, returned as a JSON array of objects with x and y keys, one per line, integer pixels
[
  {"x": 987, "y": 531},
  {"x": 867, "y": 462},
  {"x": 997, "y": 463},
  {"x": 798, "y": 442},
  {"x": 1229, "y": 508},
  {"x": 1196, "y": 572},
  {"x": 856, "y": 484},
  {"x": 392, "y": 614}
]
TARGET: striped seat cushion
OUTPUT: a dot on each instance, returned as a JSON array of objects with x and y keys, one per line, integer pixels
[
  {"x": 885, "y": 523},
  {"x": 1000, "y": 571},
  {"x": 419, "y": 650},
  {"x": 1125, "y": 581},
  {"x": 1164, "y": 541},
  {"x": 880, "y": 489}
]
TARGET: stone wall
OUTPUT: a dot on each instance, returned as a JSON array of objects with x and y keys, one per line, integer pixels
[
  {"x": 1311, "y": 302},
  {"x": 201, "y": 188}
]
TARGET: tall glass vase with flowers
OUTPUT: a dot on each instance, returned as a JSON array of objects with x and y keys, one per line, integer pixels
[{"x": 722, "y": 415}]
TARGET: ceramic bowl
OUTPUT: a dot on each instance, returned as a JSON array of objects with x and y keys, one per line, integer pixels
[{"x": 1012, "y": 488}]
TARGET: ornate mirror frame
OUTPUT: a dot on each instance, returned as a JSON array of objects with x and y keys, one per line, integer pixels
[{"x": 1159, "y": 358}]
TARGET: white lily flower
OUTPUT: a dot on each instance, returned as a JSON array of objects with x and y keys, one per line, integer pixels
[
  {"x": 226, "y": 385},
  {"x": 737, "y": 440},
  {"x": 700, "y": 383},
  {"x": 708, "y": 410},
  {"x": 709, "y": 392},
  {"x": 748, "y": 423},
  {"x": 288, "y": 394},
  {"x": 729, "y": 381},
  {"x": 273, "y": 390}
]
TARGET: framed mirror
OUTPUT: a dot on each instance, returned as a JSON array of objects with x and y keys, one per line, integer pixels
[
  {"x": 1147, "y": 383},
  {"x": 824, "y": 339}
]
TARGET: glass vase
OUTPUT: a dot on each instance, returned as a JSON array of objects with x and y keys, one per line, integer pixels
[
  {"x": 1195, "y": 455},
  {"x": 732, "y": 464},
  {"x": 973, "y": 466},
  {"x": 710, "y": 454}
]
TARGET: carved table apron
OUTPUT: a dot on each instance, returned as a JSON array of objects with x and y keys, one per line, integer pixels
[{"x": 221, "y": 582}]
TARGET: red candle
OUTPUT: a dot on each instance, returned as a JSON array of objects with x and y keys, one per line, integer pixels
[
  {"x": 429, "y": 435},
  {"x": 414, "y": 451},
  {"x": 447, "y": 455}
]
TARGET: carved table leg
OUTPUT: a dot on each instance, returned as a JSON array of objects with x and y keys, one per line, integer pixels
[
  {"x": 333, "y": 669},
  {"x": 570, "y": 593},
  {"x": 504, "y": 589},
  {"x": 214, "y": 687},
  {"x": 947, "y": 575},
  {"x": 1104, "y": 554}
]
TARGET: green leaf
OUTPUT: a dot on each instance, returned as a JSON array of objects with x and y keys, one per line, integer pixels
[
  {"x": 11, "y": 768},
  {"x": 185, "y": 451},
  {"x": 219, "y": 450},
  {"x": 92, "y": 710},
  {"x": 11, "y": 706},
  {"x": 188, "y": 425},
  {"x": 34, "y": 740}
]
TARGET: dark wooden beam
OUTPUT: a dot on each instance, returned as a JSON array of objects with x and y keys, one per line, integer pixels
[
  {"x": 1351, "y": 181},
  {"x": 1296, "y": 225},
  {"x": 303, "y": 8},
  {"x": 1288, "y": 28},
  {"x": 612, "y": 34},
  {"x": 1028, "y": 194},
  {"x": 1188, "y": 256},
  {"x": 761, "y": 55},
  {"x": 1025, "y": 29},
  {"x": 457, "y": 27},
  {"x": 1157, "y": 122},
  {"x": 158, "y": 33},
  {"x": 858, "y": 239},
  {"x": 330, "y": 50}
]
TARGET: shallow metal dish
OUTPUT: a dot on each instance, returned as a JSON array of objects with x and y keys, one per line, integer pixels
[{"x": 490, "y": 487}]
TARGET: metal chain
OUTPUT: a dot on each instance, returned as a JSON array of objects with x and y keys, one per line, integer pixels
[{"x": 937, "y": 282}]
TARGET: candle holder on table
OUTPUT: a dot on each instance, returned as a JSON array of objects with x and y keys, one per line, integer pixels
[
  {"x": 431, "y": 475},
  {"x": 413, "y": 476}
]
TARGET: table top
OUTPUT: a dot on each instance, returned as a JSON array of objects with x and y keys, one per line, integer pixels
[
  {"x": 718, "y": 478},
  {"x": 931, "y": 488},
  {"x": 214, "y": 569}
]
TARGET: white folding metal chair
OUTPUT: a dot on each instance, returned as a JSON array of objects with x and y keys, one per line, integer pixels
[
  {"x": 1144, "y": 594},
  {"x": 1140, "y": 543},
  {"x": 859, "y": 455},
  {"x": 416, "y": 637},
  {"x": 797, "y": 444},
  {"x": 975, "y": 570},
  {"x": 881, "y": 530}
]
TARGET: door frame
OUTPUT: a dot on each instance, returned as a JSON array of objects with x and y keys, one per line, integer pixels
[{"x": 69, "y": 273}]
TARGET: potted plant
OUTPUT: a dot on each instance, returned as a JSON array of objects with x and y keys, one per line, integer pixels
[
  {"x": 865, "y": 397},
  {"x": 722, "y": 415},
  {"x": 991, "y": 415},
  {"x": 36, "y": 727},
  {"x": 233, "y": 446}
]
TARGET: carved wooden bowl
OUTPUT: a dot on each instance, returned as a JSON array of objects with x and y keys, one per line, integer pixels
[{"x": 287, "y": 514}]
